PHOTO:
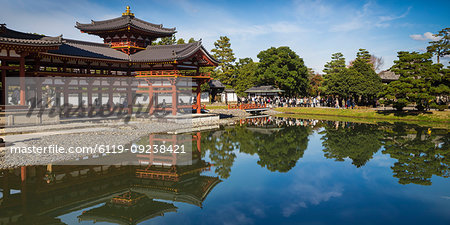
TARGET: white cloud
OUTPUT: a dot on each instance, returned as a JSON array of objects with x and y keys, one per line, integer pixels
[
  {"x": 424, "y": 37},
  {"x": 261, "y": 29},
  {"x": 310, "y": 190},
  {"x": 370, "y": 15}
]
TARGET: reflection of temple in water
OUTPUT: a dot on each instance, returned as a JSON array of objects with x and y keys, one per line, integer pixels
[{"x": 119, "y": 194}]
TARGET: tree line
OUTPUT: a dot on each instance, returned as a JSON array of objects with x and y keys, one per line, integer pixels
[
  {"x": 418, "y": 155},
  {"x": 420, "y": 80}
]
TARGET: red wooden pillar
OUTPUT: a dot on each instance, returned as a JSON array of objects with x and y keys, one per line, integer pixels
[
  {"x": 173, "y": 82},
  {"x": 129, "y": 96},
  {"x": 23, "y": 188},
  {"x": 39, "y": 99},
  {"x": 3, "y": 99},
  {"x": 22, "y": 80},
  {"x": 199, "y": 96},
  {"x": 23, "y": 173},
  {"x": 99, "y": 96},
  {"x": 66, "y": 91},
  {"x": 199, "y": 137},
  {"x": 110, "y": 93},
  {"x": 89, "y": 91},
  {"x": 151, "y": 106}
]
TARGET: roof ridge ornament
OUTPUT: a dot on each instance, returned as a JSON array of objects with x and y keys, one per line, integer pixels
[{"x": 128, "y": 12}]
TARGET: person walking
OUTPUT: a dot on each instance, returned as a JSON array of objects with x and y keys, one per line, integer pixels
[
  {"x": 31, "y": 97},
  {"x": 15, "y": 98}
]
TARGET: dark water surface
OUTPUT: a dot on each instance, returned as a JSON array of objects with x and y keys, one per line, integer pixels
[{"x": 288, "y": 171}]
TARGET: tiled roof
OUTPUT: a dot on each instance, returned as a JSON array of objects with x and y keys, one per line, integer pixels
[
  {"x": 123, "y": 22},
  {"x": 14, "y": 37},
  {"x": 156, "y": 53},
  {"x": 68, "y": 47},
  {"x": 388, "y": 76},
  {"x": 216, "y": 84},
  {"x": 89, "y": 49},
  {"x": 264, "y": 88}
]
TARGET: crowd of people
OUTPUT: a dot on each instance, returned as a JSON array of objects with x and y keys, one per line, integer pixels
[{"x": 277, "y": 101}]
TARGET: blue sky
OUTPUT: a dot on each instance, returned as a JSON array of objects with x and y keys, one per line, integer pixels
[{"x": 313, "y": 28}]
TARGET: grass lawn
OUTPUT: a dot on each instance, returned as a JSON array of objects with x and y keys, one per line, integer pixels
[
  {"x": 216, "y": 106},
  {"x": 437, "y": 118}
]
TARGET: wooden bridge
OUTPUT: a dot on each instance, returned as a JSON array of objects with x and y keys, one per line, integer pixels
[{"x": 250, "y": 107}]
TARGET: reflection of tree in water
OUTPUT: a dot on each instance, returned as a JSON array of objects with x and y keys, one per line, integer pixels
[
  {"x": 359, "y": 142},
  {"x": 419, "y": 155},
  {"x": 221, "y": 145},
  {"x": 278, "y": 149}
]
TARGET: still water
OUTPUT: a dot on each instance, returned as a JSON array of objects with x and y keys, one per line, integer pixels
[{"x": 262, "y": 171}]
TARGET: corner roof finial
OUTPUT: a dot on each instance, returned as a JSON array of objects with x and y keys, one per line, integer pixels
[{"x": 128, "y": 12}]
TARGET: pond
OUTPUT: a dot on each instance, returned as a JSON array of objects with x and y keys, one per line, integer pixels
[{"x": 261, "y": 171}]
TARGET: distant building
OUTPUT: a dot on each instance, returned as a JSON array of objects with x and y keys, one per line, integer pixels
[
  {"x": 216, "y": 87},
  {"x": 388, "y": 76},
  {"x": 229, "y": 95},
  {"x": 264, "y": 91}
]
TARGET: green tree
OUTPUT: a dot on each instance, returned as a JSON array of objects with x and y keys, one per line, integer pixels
[
  {"x": 246, "y": 75},
  {"x": 344, "y": 83},
  {"x": 419, "y": 155},
  {"x": 441, "y": 47},
  {"x": 359, "y": 142},
  {"x": 364, "y": 55},
  {"x": 283, "y": 68},
  {"x": 331, "y": 71},
  {"x": 166, "y": 41},
  {"x": 278, "y": 150},
  {"x": 181, "y": 41},
  {"x": 337, "y": 63},
  {"x": 369, "y": 85},
  {"x": 220, "y": 145},
  {"x": 191, "y": 40},
  {"x": 417, "y": 74},
  {"x": 281, "y": 150},
  {"x": 225, "y": 71}
]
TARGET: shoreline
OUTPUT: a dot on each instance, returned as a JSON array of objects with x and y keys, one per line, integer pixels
[
  {"x": 432, "y": 118},
  {"x": 117, "y": 133}
]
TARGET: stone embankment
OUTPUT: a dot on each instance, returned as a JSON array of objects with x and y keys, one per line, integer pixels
[{"x": 85, "y": 134}]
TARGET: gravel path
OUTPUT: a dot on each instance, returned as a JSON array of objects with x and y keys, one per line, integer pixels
[{"x": 103, "y": 134}]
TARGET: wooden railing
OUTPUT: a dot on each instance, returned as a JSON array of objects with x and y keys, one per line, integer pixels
[
  {"x": 171, "y": 73},
  {"x": 125, "y": 44},
  {"x": 201, "y": 107},
  {"x": 246, "y": 106}
]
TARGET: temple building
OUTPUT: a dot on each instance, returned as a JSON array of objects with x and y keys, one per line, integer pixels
[{"x": 126, "y": 52}]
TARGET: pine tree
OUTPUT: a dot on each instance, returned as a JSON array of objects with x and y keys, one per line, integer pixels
[
  {"x": 166, "y": 41},
  {"x": 246, "y": 75},
  {"x": 369, "y": 85},
  {"x": 337, "y": 62},
  {"x": 181, "y": 41},
  {"x": 191, "y": 40},
  {"x": 441, "y": 47},
  {"x": 417, "y": 74},
  {"x": 223, "y": 52},
  {"x": 332, "y": 71}
]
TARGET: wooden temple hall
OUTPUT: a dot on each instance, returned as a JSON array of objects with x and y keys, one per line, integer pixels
[{"x": 54, "y": 71}]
